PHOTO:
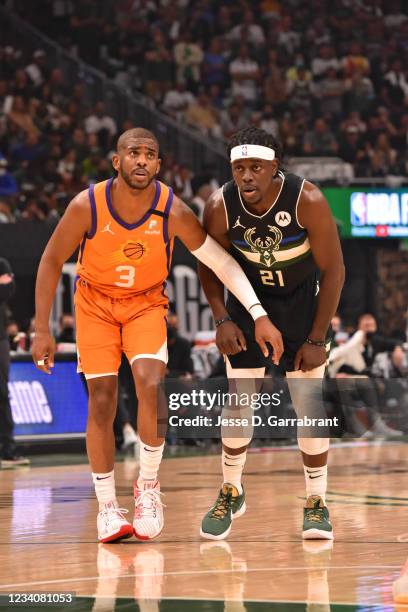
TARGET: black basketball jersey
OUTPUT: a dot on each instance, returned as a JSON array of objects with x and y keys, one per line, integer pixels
[{"x": 273, "y": 249}]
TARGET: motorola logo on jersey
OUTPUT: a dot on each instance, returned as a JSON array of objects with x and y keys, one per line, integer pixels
[
  {"x": 29, "y": 403},
  {"x": 283, "y": 218}
]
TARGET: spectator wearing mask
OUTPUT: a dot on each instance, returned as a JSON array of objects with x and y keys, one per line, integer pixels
[{"x": 8, "y": 454}]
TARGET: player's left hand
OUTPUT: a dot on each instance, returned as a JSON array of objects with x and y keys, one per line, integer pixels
[
  {"x": 266, "y": 332},
  {"x": 310, "y": 357}
]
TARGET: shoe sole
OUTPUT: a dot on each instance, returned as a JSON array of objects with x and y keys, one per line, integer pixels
[
  {"x": 123, "y": 534},
  {"x": 144, "y": 538},
  {"x": 317, "y": 534},
  {"x": 222, "y": 536}
]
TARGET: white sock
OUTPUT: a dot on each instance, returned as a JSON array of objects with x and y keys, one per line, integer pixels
[
  {"x": 104, "y": 484},
  {"x": 232, "y": 468},
  {"x": 316, "y": 481},
  {"x": 150, "y": 459}
]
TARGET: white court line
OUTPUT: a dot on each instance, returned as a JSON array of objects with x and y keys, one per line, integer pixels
[{"x": 195, "y": 572}]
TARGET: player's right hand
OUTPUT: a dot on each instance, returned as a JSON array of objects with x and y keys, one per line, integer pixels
[
  {"x": 266, "y": 332},
  {"x": 42, "y": 351},
  {"x": 229, "y": 339}
]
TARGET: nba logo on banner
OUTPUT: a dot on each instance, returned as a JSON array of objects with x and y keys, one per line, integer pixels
[
  {"x": 244, "y": 151},
  {"x": 358, "y": 208}
]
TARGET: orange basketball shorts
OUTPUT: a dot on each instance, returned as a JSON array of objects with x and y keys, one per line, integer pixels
[{"x": 107, "y": 327}]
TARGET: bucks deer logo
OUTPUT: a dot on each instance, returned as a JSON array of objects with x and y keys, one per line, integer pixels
[{"x": 265, "y": 247}]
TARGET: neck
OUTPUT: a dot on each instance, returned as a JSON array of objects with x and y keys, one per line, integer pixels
[{"x": 132, "y": 198}]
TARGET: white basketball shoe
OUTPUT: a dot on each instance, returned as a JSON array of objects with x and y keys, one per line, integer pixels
[
  {"x": 149, "y": 520},
  {"x": 112, "y": 525}
]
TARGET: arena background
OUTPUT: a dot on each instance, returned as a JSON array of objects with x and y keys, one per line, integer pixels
[{"x": 330, "y": 80}]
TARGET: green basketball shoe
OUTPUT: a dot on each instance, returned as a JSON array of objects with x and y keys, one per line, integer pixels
[
  {"x": 229, "y": 505},
  {"x": 316, "y": 521}
]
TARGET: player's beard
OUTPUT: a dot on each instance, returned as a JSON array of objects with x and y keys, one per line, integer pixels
[{"x": 131, "y": 183}]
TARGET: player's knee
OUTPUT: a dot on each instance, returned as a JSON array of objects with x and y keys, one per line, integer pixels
[
  {"x": 314, "y": 446},
  {"x": 148, "y": 386},
  {"x": 235, "y": 446},
  {"x": 102, "y": 404}
]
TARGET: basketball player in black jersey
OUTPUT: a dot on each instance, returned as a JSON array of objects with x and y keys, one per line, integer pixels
[{"x": 279, "y": 227}]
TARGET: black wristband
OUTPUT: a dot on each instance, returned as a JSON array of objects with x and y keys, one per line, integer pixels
[
  {"x": 315, "y": 342},
  {"x": 219, "y": 322}
]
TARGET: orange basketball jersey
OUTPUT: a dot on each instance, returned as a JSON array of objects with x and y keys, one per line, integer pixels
[{"x": 122, "y": 259}]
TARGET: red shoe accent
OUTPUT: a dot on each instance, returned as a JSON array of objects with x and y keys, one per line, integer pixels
[
  {"x": 145, "y": 538},
  {"x": 126, "y": 531}
]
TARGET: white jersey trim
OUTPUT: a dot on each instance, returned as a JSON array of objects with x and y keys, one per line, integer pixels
[{"x": 297, "y": 202}]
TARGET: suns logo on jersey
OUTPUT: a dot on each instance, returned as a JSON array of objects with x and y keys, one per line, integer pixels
[{"x": 130, "y": 251}]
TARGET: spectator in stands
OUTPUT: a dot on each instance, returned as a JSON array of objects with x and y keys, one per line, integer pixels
[
  {"x": 202, "y": 187},
  {"x": 103, "y": 125},
  {"x": 37, "y": 70},
  {"x": 8, "y": 454},
  {"x": 320, "y": 140},
  {"x": 329, "y": 91},
  {"x": 180, "y": 363},
  {"x": 214, "y": 67},
  {"x": 232, "y": 120},
  {"x": 256, "y": 36},
  {"x": 325, "y": 59},
  {"x": 245, "y": 74},
  {"x": 178, "y": 99},
  {"x": 6, "y": 211},
  {"x": 20, "y": 117},
  {"x": 188, "y": 56},
  {"x": 355, "y": 62},
  {"x": 203, "y": 116},
  {"x": 383, "y": 157},
  {"x": 67, "y": 329},
  {"x": 158, "y": 67},
  {"x": 8, "y": 184},
  {"x": 393, "y": 364},
  {"x": 351, "y": 148},
  {"x": 274, "y": 83}
]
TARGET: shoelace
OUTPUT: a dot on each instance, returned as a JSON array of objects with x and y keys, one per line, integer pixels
[
  {"x": 119, "y": 512},
  {"x": 147, "y": 503},
  {"x": 221, "y": 506},
  {"x": 315, "y": 515}
]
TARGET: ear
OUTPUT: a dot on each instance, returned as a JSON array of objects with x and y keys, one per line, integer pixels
[
  {"x": 115, "y": 162},
  {"x": 159, "y": 161},
  {"x": 275, "y": 167}
]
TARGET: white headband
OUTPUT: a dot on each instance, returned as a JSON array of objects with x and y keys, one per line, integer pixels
[{"x": 251, "y": 150}]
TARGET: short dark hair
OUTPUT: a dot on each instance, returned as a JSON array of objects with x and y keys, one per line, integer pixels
[
  {"x": 137, "y": 132},
  {"x": 256, "y": 136}
]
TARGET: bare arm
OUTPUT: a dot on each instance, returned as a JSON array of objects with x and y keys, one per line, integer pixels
[
  {"x": 184, "y": 224},
  {"x": 315, "y": 215},
  {"x": 68, "y": 234}
]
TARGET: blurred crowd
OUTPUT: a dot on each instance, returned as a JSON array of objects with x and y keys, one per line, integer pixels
[
  {"x": 52, "y": 146},
  {"x": 330, "y": 78}
]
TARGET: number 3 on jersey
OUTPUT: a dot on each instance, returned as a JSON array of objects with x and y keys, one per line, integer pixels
[
  {"x": 272, "y": 277},
  {"x": 128, "y": 279}
]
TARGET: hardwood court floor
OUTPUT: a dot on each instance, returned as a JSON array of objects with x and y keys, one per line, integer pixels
[{"x": 47, "y": 537}]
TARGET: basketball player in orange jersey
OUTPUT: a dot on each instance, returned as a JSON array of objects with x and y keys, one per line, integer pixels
[{"x": 125, "y": 228}]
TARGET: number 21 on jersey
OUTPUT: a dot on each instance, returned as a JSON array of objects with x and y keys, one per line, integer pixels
[{"x": 272, "y": 278}]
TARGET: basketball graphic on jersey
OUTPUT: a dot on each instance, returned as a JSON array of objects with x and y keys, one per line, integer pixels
[
  {"x": 131, "y": 250},
  {"x": 134, "y": 250}
]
